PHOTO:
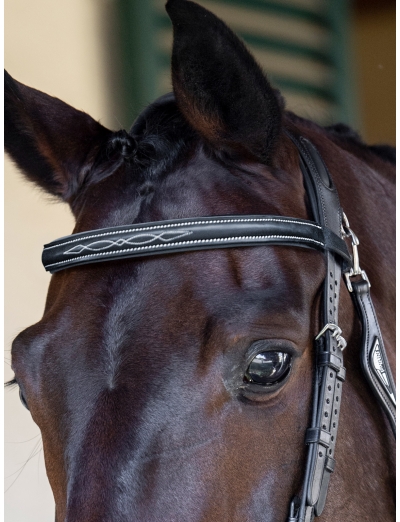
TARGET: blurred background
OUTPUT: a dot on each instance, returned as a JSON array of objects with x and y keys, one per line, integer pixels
[{"x": 334, "y": 60}]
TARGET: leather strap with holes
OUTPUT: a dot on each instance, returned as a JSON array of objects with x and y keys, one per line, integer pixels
[{"x": 330, "y": 373}]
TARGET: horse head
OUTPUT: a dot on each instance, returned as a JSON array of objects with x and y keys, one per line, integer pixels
[{"x": 142, "y": 374}]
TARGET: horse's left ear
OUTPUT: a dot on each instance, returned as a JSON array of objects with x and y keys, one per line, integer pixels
[
  {"x": 54, "y": 144},
  {"x": 219, "y": 87}
]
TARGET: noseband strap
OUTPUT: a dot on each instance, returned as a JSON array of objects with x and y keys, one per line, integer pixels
[{"x": 326, "y": 233}]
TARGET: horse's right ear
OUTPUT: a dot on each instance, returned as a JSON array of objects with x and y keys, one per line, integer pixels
[
  {"x": 54, "y": 144},
  {"x": 219, "y": 87}
]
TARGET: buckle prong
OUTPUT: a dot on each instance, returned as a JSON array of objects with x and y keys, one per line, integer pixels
[{"x": 336, "y": 334}]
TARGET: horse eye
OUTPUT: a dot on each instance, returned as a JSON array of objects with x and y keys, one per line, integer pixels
[
  {"x": 23, "y": 400},
  {"x": 268, "y": 368}
]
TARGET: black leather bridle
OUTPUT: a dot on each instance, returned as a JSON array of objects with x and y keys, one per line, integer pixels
[{"x": 326, "y": 233}]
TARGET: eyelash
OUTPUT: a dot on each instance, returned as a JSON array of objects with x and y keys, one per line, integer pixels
[{"x": 10, "y": 384}]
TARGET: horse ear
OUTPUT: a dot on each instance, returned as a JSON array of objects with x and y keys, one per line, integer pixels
[
  {"x": 219, "y": 87},
  {"x": 54, "y": 144}
]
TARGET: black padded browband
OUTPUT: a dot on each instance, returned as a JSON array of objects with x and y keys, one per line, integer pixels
[{"x": 203, "y": 233}]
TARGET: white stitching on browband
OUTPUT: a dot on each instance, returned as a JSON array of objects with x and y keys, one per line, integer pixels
[
  {"x": 182, "y": 224},
  {"x": 149, "y": 247},
  {"x": 109, "y": 243}
]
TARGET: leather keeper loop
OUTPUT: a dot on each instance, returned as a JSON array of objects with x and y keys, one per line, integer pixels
[
  {"x": 330, "y": 464},
  {"x": 318, "y": 435},
  {"x": 331, "y": 360},
  {"x": 342, "y": 374}
]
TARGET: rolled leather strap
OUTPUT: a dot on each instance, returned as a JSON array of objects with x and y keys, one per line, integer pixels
[{"x": 373, "y": 354}]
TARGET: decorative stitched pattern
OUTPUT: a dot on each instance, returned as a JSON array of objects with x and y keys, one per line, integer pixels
[
  {"x": 190, "y": 223},
  {"x": 138, "y": 239},
  {"x": 192, "y": 242}
]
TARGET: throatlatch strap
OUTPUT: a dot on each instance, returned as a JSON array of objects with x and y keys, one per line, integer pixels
[
  {"x": 330, "y": 373},
  {"x": 373, "y": 354}
]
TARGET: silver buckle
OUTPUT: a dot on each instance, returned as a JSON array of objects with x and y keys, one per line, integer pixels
[
  {"x": 355, "y": 270},
  {"x": 336, "y": 334},
  {"x": 351, "y": 273}
]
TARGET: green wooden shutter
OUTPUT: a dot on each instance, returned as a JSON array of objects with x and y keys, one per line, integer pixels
[{"x": 303, "y": 45}]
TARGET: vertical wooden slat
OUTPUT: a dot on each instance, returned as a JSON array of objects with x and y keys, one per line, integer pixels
[
  {"x": 339, "y": 15},
  {"x": 137, "y": 36}
]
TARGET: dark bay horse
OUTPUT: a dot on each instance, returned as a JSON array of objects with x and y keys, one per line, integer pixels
[{"x": 138, "y": 373}]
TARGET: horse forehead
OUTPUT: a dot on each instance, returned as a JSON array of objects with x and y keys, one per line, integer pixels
[
  {"x": 206, "y": 186},
  {"x": 119, "y": 304},
  {"x": 198, "y": 185}
]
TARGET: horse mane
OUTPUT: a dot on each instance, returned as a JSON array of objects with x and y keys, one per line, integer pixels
[
  {"x": 349, "y": 139},
  {"x": 161, "y": 134},
  {"x": 341, "y": 130}
]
